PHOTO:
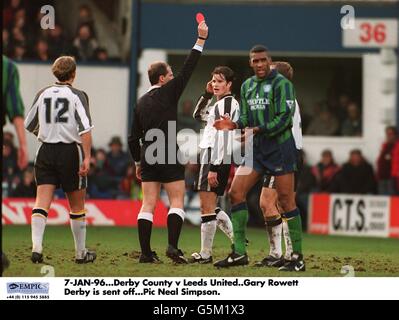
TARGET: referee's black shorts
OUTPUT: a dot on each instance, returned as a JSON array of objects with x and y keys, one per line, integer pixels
[
  {"x": 163, "y": 173},
  {"x": 58, "y": 164},
  {"x": 201, "y": 181},
  {"x": 269, "y": 180}
]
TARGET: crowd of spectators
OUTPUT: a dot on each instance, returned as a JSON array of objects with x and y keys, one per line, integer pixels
[
  {"x": 24, "y": 39},
  {"x": 336, "y": 117},
  {"x": 112, "y": 173}
]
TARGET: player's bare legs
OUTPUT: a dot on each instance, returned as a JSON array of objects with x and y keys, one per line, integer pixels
[
  {"x": 176, "y": 214},
  {"x": 145, "y": 219},
  {"x": 44, "y": 196},
  {"x": 244, "y": 179},
  {"x": 268, "y": 203},
  {"x": 77, "y": 215},
  {"x": 286, "y": 198}
]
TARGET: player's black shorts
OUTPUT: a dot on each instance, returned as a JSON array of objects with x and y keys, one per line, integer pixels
[
  {"x": 201, "y": 181},
  {"x": 269, "y": 180},
  {"x": 163, "y": 173},
  {"x": 58, "y": 164}
]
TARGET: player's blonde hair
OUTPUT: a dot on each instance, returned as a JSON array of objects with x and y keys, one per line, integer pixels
[{"x": 64, "y": 68}]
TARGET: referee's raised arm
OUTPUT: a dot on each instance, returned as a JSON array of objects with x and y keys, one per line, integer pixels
[{"x": 175, "y": 87}]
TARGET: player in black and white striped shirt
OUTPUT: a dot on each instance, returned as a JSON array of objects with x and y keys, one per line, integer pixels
[
  {"x": 60, "y": 118},
  {"x": 215, "y": 145}
]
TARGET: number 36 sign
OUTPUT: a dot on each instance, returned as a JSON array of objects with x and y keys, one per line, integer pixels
[{"x": 371, "y": 33}]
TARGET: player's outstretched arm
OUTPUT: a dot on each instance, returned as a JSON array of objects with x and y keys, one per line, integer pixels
[
  {"x": 225, "y": 124},
  {"x": 175, "y": 87}
]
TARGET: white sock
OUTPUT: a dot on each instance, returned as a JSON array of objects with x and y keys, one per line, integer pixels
[
  {"x": 224, "y": 224},
  {"x": 38, "y": 225},
  {"x": 208, "y": 230},
  {"x": 274, "y": 234},
  {"x": 78, "y": 227},
  {"x": 287, "y": 241}
]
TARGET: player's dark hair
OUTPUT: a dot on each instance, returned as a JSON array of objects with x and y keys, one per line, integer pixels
[
  {"x": 284, "y": 68},
  {"x": 227, "y": 73},
  {"x": 64, "y": 67},
  {"x": 156, "y": 70},
  {"x": 259, "y": 48}
]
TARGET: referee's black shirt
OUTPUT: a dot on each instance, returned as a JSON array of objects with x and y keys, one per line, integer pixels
[{"x": 158, "y": 106}]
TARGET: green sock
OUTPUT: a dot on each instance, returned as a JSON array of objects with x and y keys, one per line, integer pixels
[
  {"x": 295, "y": 228},
  {"x": 239, "y": 218}
]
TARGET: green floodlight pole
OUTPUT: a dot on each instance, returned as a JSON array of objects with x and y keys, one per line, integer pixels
[{"x": 134, "y": 57}]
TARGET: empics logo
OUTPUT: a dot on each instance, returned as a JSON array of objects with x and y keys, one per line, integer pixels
[{"x": 28, "y": 287}]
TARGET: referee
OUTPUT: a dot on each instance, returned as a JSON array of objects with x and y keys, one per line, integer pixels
[
  {"x": 60, "y": 118},
  {"x": 155, "y": 112}
]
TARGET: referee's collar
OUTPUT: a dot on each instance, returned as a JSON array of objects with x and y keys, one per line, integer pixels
[{"x": 153, "y": 87}]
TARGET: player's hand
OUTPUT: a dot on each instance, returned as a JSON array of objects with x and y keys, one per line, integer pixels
[
  {"x": 209, "y": 87},
  {"x": 203, "y": 30},
  {"x": 138, "y": 172},
  {"x": 84, "y": 168},
  {"x": 213, "y": 179},
  {"x": 22, "y": 157},
  {"x": 224, "y": 124}
]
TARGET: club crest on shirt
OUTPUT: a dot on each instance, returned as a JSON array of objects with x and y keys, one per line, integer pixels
[
  {"x": 290, "y": 103},
  {"x": 266, "y": 88}
]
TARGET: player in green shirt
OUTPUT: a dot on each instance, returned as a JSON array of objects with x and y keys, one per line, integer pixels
[
  {"x": 14, "y": 107},
  {"x": 267, "y": 107}
]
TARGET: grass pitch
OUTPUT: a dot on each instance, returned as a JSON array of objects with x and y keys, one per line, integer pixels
[{"x": 118, "y": 250}]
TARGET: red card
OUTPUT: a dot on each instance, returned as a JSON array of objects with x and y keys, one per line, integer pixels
[{"x": 200, "y": 17}]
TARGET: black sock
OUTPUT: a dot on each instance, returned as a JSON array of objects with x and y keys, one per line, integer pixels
[
  {"x": 175, "y": 223},
  {"x": 145, "y": 228}
]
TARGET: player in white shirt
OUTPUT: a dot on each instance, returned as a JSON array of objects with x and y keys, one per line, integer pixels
[
  {"x": 268, "y": 198},
  {"x": 60, "y": 118},
  {"x": 215, "y": 158}
]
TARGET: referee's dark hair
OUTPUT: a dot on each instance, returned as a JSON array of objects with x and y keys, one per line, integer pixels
[
  {"x": 259, "y": 48},
  {"x": 227, "y": 73},
  {"x": 64, "y": 68},
  {"x": 156, "y": 70}
]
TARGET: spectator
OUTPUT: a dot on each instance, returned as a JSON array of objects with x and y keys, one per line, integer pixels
[
  {"x": 185, "y": 119},
  {"x": 9, "y": 13},
  {"x": 19, "y": 52},
  {"x": 352, "y": 126},
  {"x": 101, "y": 54},
  {"x": 306, "y": 184},
  {"x": 6, "y": 42},
  {"x": 323, "y": 124},
  {"x": 384, "y": 163},
  {"x": 84, "y": 43},
  {"x": 57, "y": 42},
  {"x": 85, "y": 17},
  {"x": 355, "y": 177},
  {"x": 42, "y": 50},
  {"x": 18, "y": 37},
  {"x": 27, "y": 187},
  {"x": 395, "y": 166},
  {"x": 118, "y": 159},
  {"x": 130, "y": 186},
  {"x": 341, "y": 110},
  {"x": 101, "y": 182},
  {"x": 325, "y": 171},
  {"x": 10, "y": 168}
]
